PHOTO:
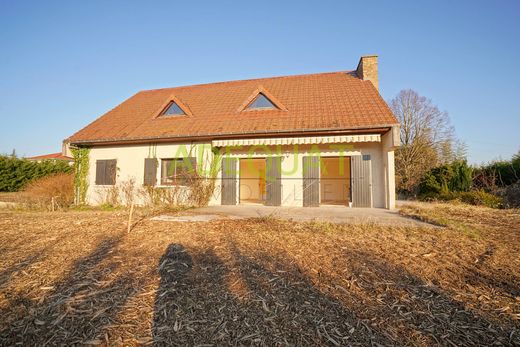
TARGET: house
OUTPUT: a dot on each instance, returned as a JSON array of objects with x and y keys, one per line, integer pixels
[
  {"x": 305, "y": 140},
  {"x": 52, "y": 156}
]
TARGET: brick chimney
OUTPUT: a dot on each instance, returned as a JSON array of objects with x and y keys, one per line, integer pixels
[{"x": 367, "y": 69}]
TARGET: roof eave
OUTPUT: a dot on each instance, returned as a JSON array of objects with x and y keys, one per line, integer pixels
[{"x": 382, "y": 128}]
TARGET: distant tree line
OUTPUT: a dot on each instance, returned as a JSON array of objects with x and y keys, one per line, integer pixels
[
  {"x": 15, "y": 172},
  {"x": 431, "y": 162}
]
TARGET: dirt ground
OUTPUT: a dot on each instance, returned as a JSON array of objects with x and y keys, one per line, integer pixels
[{"x": 78, "y": 277}]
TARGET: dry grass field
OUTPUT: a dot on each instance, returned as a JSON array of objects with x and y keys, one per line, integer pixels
[{"x": 78, "y": 277}]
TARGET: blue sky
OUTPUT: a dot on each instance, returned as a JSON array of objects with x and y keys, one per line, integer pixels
[{"x": 63, "y": 64}]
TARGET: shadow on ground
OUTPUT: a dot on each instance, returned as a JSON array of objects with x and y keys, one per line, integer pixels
[
  {"x": 230, "y": 295},
  {"x": 264, "y": 300},
  {"x": 76, "y": 309}
]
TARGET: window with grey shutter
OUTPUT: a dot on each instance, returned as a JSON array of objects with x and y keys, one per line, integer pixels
[
  {"x": 229, "y": 181},
  {"x": 178, "y": 171},
  {"x": 106, "y": 172},
  {"x": 150, "y": 172},
  {"x": 274, "y": 181},
  {"x": 100, "y": 172}
]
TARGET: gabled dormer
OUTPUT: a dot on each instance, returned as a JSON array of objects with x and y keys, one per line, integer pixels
[
  {"x": 174, "y": 107},
  {"x": 261, "y": 100}
]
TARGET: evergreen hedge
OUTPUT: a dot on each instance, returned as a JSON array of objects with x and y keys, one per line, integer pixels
[
  {"x": 454, "y": 177},
  {"x": 15, "y": 173}
]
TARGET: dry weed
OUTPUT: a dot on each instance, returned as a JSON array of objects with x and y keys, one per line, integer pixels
[
  {"x": 79, "y": 278},
  {"x": 51, "y": 192}
]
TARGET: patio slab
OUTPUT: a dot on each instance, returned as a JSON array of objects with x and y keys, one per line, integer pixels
[{"x": 333, "y": 214}]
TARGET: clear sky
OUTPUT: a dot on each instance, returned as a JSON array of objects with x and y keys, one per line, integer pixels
[{"x": 63, "y": 64}]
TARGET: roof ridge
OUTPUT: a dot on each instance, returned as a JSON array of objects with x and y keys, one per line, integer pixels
[{"x": 250, "y": 79}]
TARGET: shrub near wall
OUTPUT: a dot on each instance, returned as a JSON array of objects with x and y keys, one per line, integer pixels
[
  {"x": 15, "y": 173},
  {"x": 53, "y": 192}
]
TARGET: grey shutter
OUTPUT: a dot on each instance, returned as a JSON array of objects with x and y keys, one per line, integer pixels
[
  {"x": 229, "y": 181},
  {"x": 100, "y": 172},
  {"x": 150, "y": 172},
  {"x": 311, "y": 181},
  {"x": 273, "y": 181},
  {"x": 361, "y": 181},
  {"x": 110, "y": 172}
]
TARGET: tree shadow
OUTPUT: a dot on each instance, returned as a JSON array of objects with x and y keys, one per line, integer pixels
[
  {"x": 228, "y": 295},
  {"x": 197, "y": 303},
  {"x": 423, "y": 310},
  {"x": 77, "y": 308},
  {"x": 264, "y": 299},
  {"x": 8, "y": 273}
]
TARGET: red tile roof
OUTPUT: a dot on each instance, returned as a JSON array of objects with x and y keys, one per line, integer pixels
[
  {"x": 328, "y": 101},
  {"x": 52, "y": 156}
]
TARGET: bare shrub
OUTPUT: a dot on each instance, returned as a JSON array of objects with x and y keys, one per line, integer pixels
[
  {"x": 200, "y": 190},
  {"x": 511, "y": 195},
  {"x": 148, "y": 196},
  {"x": 202, "y": 187},
  {"x": 109, "y": 196},
  {"x": 112, "y": 196},
  {"x": 162, "y": 196},
  {"x": 52, "y": 192},
  {"x": 195, "y": 190},
  {"x": 128, "y": 191}
]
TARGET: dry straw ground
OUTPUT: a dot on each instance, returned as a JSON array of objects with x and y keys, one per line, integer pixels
[{"x": 79, "y": 278}]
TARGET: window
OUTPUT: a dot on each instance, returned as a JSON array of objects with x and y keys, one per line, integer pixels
[
  {"x": 173, "y": 110},
  {"x": 106, "y": 172},
  {"x": 261, "y": 102},
  {"x": 177, "y": 171}
]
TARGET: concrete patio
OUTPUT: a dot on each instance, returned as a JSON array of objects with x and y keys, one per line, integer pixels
[{"x": 334, "y": 214}]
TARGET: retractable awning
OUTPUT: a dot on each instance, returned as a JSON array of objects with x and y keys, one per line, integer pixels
[{"x": 272, "y": 141}]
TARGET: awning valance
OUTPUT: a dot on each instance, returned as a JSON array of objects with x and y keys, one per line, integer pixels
[{"x": 273, "y": 141}]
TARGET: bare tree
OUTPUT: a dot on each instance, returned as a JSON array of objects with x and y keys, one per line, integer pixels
[{"x": 427, "y": 139}]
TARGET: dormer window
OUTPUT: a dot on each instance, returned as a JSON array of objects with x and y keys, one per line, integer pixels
[
  {"x": 261, "y": 99},
  {"x": 261, "y": 102},
  {"x": 173, "y": 110}
]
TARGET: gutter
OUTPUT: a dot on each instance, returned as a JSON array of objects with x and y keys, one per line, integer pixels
[{"x": 251, "y": 134}]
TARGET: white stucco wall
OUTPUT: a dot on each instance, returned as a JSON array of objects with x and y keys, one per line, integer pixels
[{"x": 130, "y": 166}]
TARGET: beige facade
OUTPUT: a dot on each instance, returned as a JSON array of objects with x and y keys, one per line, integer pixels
[{"x": 130, "y": 166}]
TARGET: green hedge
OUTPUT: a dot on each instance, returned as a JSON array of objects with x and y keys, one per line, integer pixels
[
  {"x": 15, "y": 173},
  {"x": 454, "y": 177}
]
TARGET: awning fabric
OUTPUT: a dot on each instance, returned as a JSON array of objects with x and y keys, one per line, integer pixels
[{"x": 272, "y": 141}]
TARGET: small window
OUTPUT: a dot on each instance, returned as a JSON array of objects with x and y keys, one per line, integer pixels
[
  {"x": 173, "y": 110},
  {"x": 106, "y": 172},
  {"x": 177, "y": 171},
  {"x": 261, "y": 102}
]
